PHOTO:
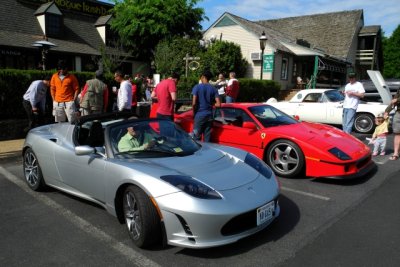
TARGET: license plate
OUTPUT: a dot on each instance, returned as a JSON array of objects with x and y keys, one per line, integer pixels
[{"x": 265, "y": 212}]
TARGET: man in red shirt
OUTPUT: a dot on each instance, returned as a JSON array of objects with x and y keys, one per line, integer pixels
[{"x": 165, "y": 93}]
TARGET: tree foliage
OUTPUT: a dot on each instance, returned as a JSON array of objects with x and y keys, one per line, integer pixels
[
  {"x": 142, "y": 24},
  {"x": 224, "y": 57},
  {"x": 391, "y": 55},
  {"x": 169, "y": 55},
  {"x": 220, "y": 57}
]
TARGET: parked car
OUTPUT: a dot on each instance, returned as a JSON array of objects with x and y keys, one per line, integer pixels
[
  {"x": 371, "y": 92},
  {"x": 189, "y": 194},
  {"x": 326, "y": 106},
  {"x": 290, "y": 147}
]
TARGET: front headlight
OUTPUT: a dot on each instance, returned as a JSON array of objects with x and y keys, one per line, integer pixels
[
  {"x": 191, "y": 186},
  {"x": 339, "y": 153},
  {"x": 258, "y": 165}
]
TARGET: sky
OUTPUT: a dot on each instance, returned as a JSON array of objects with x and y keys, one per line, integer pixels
[{"x": 376, "y": 12}]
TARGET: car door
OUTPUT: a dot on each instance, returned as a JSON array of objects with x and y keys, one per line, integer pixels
[
  {"x": 334, "y": 107},
  {"x": 83, "y": 174},
  {"x": 228, "y": 129},
  {"x": 312, "y": 108}
]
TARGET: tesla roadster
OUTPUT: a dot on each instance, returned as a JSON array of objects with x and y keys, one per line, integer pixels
[
  {"x": 290, "y": 147},
  {"x": 155, "y": 178}
]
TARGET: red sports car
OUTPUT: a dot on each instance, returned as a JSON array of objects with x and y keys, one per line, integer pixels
[{"x": 290, "y": 147}]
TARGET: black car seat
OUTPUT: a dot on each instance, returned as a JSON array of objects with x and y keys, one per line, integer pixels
[{"x": 96, "y": 135}]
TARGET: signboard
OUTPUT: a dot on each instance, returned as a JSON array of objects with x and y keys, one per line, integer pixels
[
  {"x": 88, "y": 7},
  {"x": 268, "y": 63}
]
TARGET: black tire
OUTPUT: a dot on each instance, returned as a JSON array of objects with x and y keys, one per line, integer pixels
[
  {"x": 285, "y": 158},
  {"x": 364, "y": 123},
  {"x": 32, "y": 171},
  {"x": 141, "y": 217}
]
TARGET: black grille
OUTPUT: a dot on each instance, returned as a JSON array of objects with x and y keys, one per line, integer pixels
[
  {"x": 361, "y": 163},
  {"x": 242, "y": 222},
  {"x": 186, "y": 228}
]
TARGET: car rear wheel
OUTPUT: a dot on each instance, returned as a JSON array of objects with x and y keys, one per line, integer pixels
[
  {"x": 141, "y": 218},
  {"x": 32, "y": 172},
  {"x": 364, "y": 123},
  {"x": 285, "y": 158}
]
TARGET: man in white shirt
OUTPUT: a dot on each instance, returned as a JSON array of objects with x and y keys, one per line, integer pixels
[
  {"x": 34, "y": 101},
  {"x": 352, "y": 93},
  {"x": 124, "y": 98}
]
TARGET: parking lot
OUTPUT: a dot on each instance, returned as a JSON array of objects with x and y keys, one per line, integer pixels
[{"x": 53, "y": 228}]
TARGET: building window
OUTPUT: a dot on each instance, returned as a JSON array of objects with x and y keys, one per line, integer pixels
[
  {"x": 53, "y": 25},
  {"x": 284, "y": 69}
]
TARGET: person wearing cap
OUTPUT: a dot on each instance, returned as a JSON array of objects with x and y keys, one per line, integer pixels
[
  {"x": 395, "y": 104},
  {"x": 94, "y": 96},
  {"x": 379, "y": 136},
  {"x": 34, "y": 101},
  {"x": 353, "y": 91},
  {"x": 64, "y": 89}
]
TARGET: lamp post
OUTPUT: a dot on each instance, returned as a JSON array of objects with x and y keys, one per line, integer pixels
[
  {"x": 263, "y": 42},
  {"x": 45, "y": 46}
]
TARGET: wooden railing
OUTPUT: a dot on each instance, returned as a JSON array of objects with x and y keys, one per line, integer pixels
[{"x": 365, "y": 56}]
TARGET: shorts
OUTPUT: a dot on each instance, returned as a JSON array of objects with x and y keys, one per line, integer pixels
[{"x": 63, "y": 111}]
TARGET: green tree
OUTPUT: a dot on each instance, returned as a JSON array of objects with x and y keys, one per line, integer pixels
[
  {"x": 169, "y": 55},
  {"x": 223, "y": 56},
  {"x": 142, "y": 24},
  {"x": 391, "y": 55}
]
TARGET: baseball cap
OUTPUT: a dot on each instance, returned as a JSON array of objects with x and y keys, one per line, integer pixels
[{"x": 352, "y": 75}]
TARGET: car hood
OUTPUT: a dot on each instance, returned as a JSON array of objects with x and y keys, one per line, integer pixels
[
  {"x": 210, "y": 165},
  {"x": 325, "y": 137},
  {"x": 381, "y": 86}
]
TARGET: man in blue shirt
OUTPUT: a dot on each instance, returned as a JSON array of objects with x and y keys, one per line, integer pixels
[
  {"x": 204, "y": 97},
  {"x": 34, "y": 101}
]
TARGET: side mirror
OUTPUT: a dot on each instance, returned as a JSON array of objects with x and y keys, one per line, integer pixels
[
  {"x": 84, "y": 150},
  {"x": 296, "y": 117},
  {"x": 249, "y": 125}
]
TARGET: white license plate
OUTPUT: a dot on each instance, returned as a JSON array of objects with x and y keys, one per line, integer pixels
[{"x": 265, "y": 212}]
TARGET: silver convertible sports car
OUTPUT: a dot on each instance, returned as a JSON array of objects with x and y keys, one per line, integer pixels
[{"x": 155, "y": 178}]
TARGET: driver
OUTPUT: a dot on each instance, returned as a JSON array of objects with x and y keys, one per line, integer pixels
[{"x": 134, "y": 140}]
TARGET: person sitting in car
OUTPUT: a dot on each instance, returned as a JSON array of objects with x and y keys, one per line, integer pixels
[{"x": 135, "y": 140}]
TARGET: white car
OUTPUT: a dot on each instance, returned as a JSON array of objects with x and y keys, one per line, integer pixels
[{"x": 326, "y": 106}]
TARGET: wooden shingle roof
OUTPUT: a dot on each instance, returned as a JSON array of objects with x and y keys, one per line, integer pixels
[
  {"x": 20, "y": 28},
  {"x": 333, "y": 32}
]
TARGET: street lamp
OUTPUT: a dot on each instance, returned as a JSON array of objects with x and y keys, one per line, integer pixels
[
  {"x": 263, "y": 42},
  {"x": 45, "y": 46}
]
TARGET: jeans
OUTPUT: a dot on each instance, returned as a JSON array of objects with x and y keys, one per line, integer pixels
[
  {"x": 202, "y": 125},
  {"x": 348, "y": 119},
  {"x": 229, "y": 99},
  {"x": 168, "y": 117},
  {"x": 35, "y": 119},
  {"x": 379, "y": 145}
]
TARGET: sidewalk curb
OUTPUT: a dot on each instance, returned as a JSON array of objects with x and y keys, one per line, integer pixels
[{"x": 11, "y": 149}]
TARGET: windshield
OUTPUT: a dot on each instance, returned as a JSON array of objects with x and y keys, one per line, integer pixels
[
  {"x": 269, "y": 116},
  {"x": 150, "y": 138},
  {"x": 334, "y": 95}
]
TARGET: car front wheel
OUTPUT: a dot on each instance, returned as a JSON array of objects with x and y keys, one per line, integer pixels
[
  {"x": 32, "y": 172},
  {"x": 285, "y": 158},
  {"x": 364, "y": 123},
  {"x": 141, "y": 218}
]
